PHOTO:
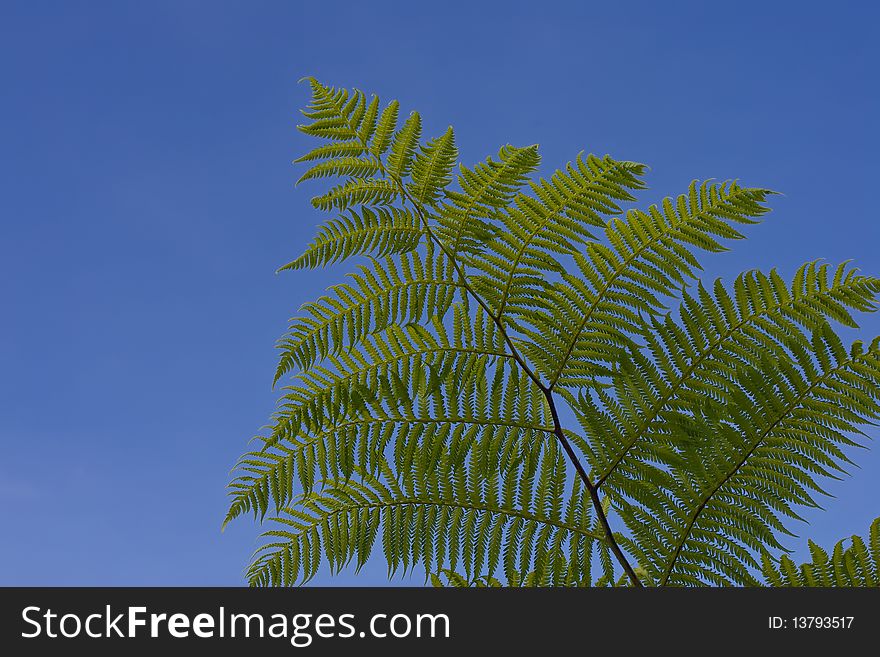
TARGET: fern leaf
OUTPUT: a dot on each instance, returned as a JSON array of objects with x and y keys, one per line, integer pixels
[
  {"x": 379, "y": 231},
  {"x": 432, "y": 168},
  {"x": 687, "y": 361},
  {"x": 739, "y": 467},
  {"x": 422, "y": 415},
  {"x": 465, "y": 222},
  {"x": 453, "y": 525},
  {"x": 402, "y": 290},
  {"x": 852, "y": 563},
  {"x": 647, "y": 258},
  {"x": 330, "y": 420},
  {"x": 403, "y": 147},
  {"x": 344, "y": 166},
  {"x": 514, "y": 265},
  {"x": 358, "y": 191}
]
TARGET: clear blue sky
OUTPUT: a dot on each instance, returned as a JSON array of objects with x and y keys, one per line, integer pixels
[{"x": 146, "y": 198}]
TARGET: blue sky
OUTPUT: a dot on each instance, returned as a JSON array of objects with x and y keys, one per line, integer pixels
[{"x": 146, "y": 198}]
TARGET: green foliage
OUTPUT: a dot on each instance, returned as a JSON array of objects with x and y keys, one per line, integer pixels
[
  {"x": 403, "y": 291},
  {"x": 856, "y": 565},
  {"x": 424, "y": 411},
  {"x": 465, "y": 221},
  {"x": 381, "y": 232},
  {"x": 483, "y": 521}
]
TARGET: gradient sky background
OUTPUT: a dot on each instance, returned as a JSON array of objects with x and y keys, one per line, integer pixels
[{"x": 146, "y": 198}]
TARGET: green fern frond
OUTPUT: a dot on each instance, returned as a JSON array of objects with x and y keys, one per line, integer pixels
[
  {"x": 358, "y": 191},
  {"x": 385, "y": 129},
  {"x": 352, "y": 139},
  {"x": 380, "y": 232},
  {"x": 689, "y": 360},
  {"x": 359, "y": 137},
  {"x": 432, "y": 168},
  {"x": 403, "y": 146},
  {"x": 424, "y": 408},
  {"x": 335, "y": 113},
  {"x": 354, "y": 167},
  {"x": 852, "y": 562},
  {"x": 465, "y": 223},
  {"x": 397, "y": 290},
  {"x": 440, "y": 518},
  {"x": 513, "y": 267},
  {"x": 387, "y": 392},
  {"x": 453, "y": 578},
  {"x": 733, "y": 470},
  {"x": 337, "y": 149},
  {"x": 647, "y": 258}
]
